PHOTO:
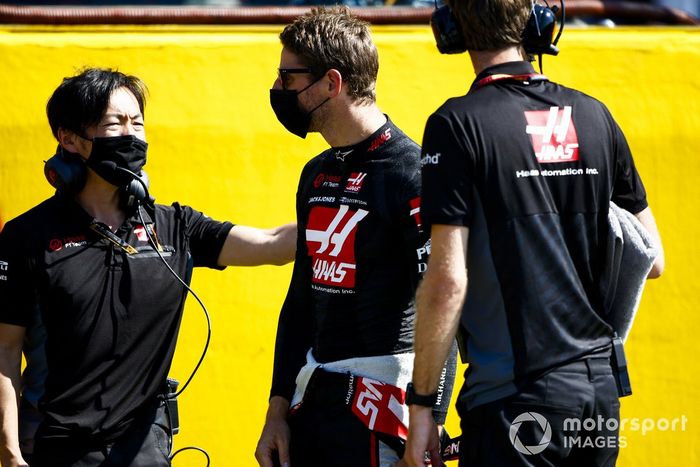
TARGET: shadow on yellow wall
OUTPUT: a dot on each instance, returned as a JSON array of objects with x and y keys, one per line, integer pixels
[{"x": 216, "y": 145}]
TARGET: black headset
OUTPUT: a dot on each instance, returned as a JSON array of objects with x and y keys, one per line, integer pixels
[
  {"x": 67, "y": 173},
  {"x": 538, "y": 36}
]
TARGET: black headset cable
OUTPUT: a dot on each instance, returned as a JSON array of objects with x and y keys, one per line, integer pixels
[{"x": 156, "y": 248}]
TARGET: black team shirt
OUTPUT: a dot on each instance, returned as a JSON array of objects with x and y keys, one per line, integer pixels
[
  {"x": 530, "y": 167},
  {"x": 111, "y": 317}
]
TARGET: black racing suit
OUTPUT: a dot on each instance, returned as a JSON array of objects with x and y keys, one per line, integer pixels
[{"x": 360, "y": 254}]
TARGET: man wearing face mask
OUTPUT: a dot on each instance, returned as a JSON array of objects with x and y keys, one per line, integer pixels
[
  {"x": 344, "y": 346},
  {"x": 83, "y": 268}
]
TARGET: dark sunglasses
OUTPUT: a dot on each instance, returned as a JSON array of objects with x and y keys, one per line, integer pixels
[{"x": 283, "y": 74}]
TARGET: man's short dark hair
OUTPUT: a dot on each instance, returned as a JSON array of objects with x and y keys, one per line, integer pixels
[
  {"x": 326, "y": 38},
  {"x": 492, "y": 24},
  {"x": 80, "y": 101}
]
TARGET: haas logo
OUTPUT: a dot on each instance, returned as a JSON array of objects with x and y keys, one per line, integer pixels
[
  {"x": 330, "y": 239},
  {"x": 553, "y": 135},
  {"x": 355, "y": 181},
  {"x": 380, "y": 140}
]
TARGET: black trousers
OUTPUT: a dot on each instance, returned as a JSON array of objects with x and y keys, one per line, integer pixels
[
  {"x": 146, "y": 443},
  {"x": 568, "y": 417},
  {"x": 325, "y": 432}
]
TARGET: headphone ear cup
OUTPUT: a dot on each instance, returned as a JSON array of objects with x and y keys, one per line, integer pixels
[
  {"x": 65, "y": 172},
  {"x": 447, "y": 31},
  {"x": 135, "y": 193},
  {"x": 539, "y": 31}
]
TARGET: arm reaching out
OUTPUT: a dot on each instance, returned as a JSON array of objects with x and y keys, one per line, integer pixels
[{"x": 250, "y": 246}]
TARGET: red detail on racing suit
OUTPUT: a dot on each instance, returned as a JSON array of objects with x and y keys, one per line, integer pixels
[{"x": 381, "y": 407}]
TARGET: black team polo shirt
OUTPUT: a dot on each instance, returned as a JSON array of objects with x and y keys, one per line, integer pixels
[
  {"x": 530, "y": 167},
  {"x": 112, "y": 317}
]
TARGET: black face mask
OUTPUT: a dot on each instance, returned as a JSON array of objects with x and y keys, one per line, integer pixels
[
  {"x": 285, "y": 104},
  {"x": 127, "y": 152}
]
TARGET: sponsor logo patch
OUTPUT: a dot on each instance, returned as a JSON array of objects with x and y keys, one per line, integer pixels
[
  {"x": 380, "y": 140},
  {"x": 355, "y": 182},
  {"x": 553, "y": 134},
  {"x": 341, "y": 155},
  {"x": 141, "y": 234},
  {"x": 330, "y": 239},
  {"x": 322, "y": 199},
  {"x": 381, "y": 407},
  {"x": 331, "y": 181},
  {"x": 423, "y": 253},
  {"x": 3, "y": 269},
  {"x": 57, "y": 244},
  {"x": 430, "y": 159},
  {"x": 415, "y": 211}
]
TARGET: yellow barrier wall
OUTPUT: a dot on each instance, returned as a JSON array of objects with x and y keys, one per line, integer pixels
[{"x": 216, "y": 145}]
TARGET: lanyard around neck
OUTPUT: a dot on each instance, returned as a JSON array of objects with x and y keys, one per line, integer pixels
[
  {"x": 525, "y": 78},
  {"x": 103, "y": 231}
]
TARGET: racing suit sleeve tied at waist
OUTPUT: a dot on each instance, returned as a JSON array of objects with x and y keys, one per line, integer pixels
[
  {"x": 379, "y": 406},
  {"x": 391, "y": 369},
  {"x": 372, "y": 388}
]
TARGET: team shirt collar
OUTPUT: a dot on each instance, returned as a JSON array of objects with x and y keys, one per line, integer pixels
[
  {"x": 518, "y": 68},
  {"x": 365, "y": 148},
  {"x": 74, "y": 212}
]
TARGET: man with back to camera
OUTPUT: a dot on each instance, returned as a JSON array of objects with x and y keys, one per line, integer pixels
[
  {"x": 517, "y": 188},
  {"x": 345, "y": 334},
  {"x": 87, "y": 259}
]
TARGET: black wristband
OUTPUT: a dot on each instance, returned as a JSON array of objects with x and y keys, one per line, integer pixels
[{"x": 417, "y": 399}]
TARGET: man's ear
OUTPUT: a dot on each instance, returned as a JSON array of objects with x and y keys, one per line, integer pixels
[
  {"x": 335, "y": 82},
  {"x": 71, "y": 142}
]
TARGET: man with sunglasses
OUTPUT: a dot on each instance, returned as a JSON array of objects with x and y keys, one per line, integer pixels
[
  {"x": 520, "y": 177},
  {"x": 345, "y": 336}
]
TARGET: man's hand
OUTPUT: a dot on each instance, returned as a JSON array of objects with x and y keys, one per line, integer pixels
[
  {"x": 422, "y": 437},
  {"x": 12, "y": 460},
  {"x": 273, "y": 445}
]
